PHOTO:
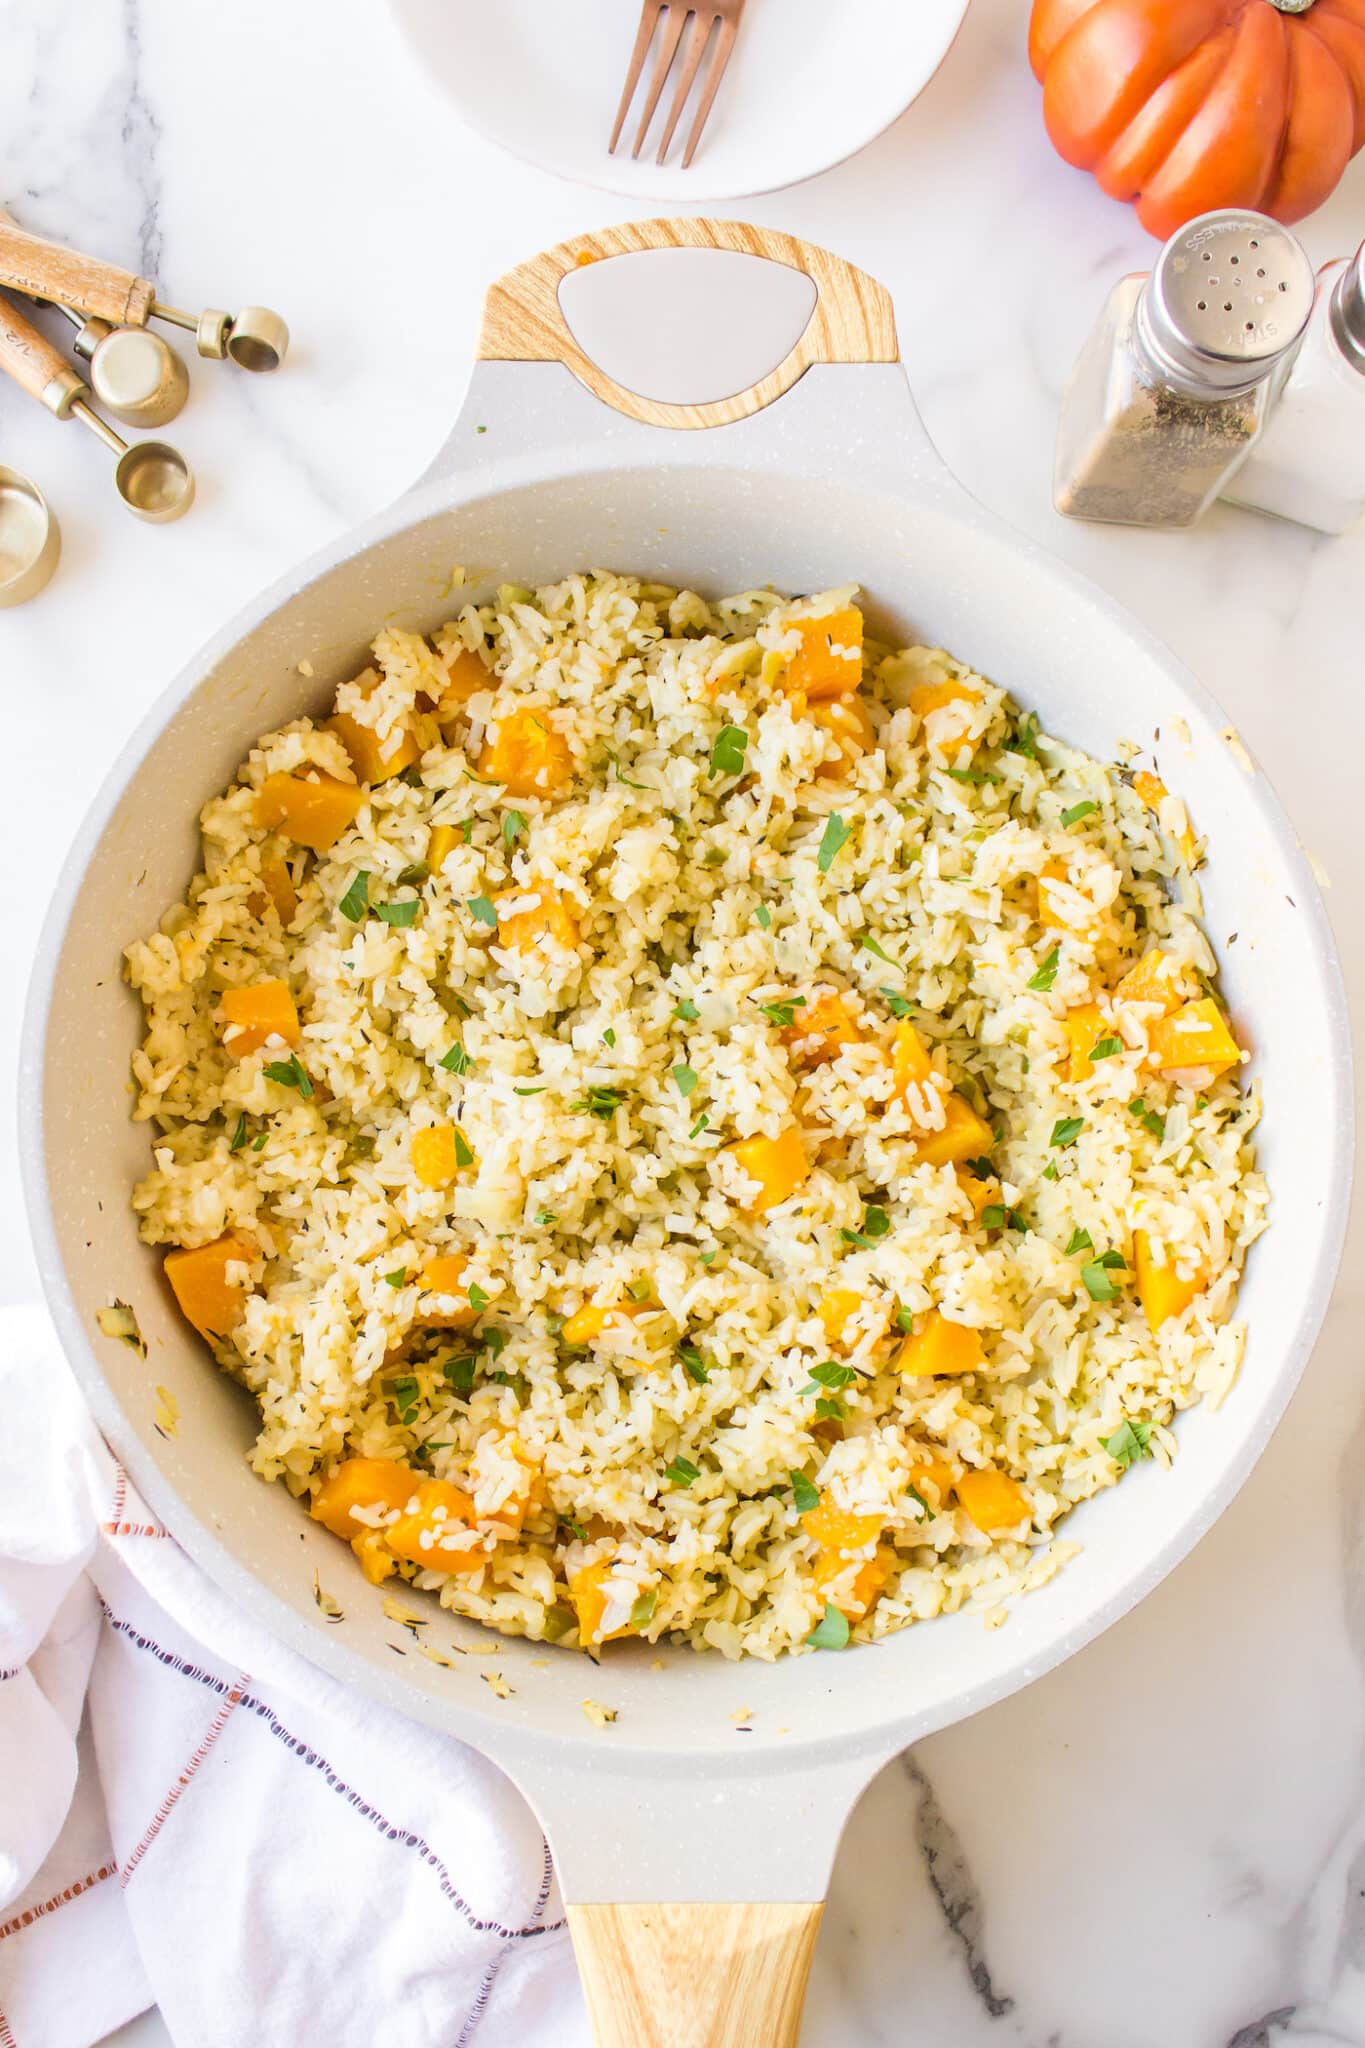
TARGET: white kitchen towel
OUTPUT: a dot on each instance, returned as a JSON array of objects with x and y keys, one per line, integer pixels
[{"x": 192, "y": 1816}]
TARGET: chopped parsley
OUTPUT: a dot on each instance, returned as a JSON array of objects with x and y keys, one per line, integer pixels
[
  {"x": 868, "y": 944},
  {"x": 463, "y": 1154},
  {"x": 355, "y": 902},
  {"x": 764, "y": 916},
  {"x": 876, "y": 1223},
  {"x": 727, "y": 753},
  {"x": 699, "y": 1126},
  {"x": 482, "y": 909},
  {"x": 974, "y": 775},
  {"x": 917, "y": 1496},
  {"x": 685, "y": 1080},
  {"x": 478, "y": 1299},
  {"x": 1047, "y": 973},
  {"x": 289, "y": 1073},
  {"x": 782, "y": 1015},
  {"x": 1066, "y": 1130},
  {"x": 980, "y": 1169},
  {"x": 1105, "y": 1048},
  {"x": 1024, "y": 739},
  {"x": 530, "y": 1091},
  {"x": 1150, "y": 1119},
  {"x": 831, "y": 1633},
  {"x": 1095, "y": 1276},
  {"x": 459, "y": 1374},
  {"x": 258, "y": 1143},
  {"x": 896, "y": 1004},
  {"x": 1050, "y": 1170},
  {"x": 397, "y": 1278},
  {"x": 829, "y": 1409},
  {"x": 904, "y": 1318},
  {"x": 609, "y": 1036},
  {"x": 642, "y": 1613},
  {"x": 1081, "y": 1241},
  {"x": 602, "y": 1103},
  {"x": 457, "y": 1060},
  {"x": 401, "y": 914},
  {"x": 836, "y": 835},
  {"x": 708, "y": 1258},
  {"x": 686, "y": 1011},
  {"x": 829, "y": 1375},
  {"x": 803, "y": 1493},
  {"x": 513, "y": 827},
  {"x": 996, "y": 1217},
  {"x": 404, "y": 1394},
  {"x": 238, "y": 1138},
  {"x": 1077, "y": 812},
  {"x": 517, "y": 1381},
  {"x": 413, "y": 875},
  {"x": 543, "y": 1218},
  {"x": 694, "y": 1365},
  {"x": 1130, "y": 1441},
  {"x": 682, "y": 1471}
]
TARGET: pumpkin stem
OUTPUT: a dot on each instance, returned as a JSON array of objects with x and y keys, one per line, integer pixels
[{"x": 1292, "y": 6}]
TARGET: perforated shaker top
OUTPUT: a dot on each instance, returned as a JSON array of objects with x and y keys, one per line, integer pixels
[{"x": 1231, "y": 292}]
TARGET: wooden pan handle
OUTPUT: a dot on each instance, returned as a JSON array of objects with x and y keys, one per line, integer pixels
[
  {"x": 852, "y": 321},
  {"x": 45, "y": 270},
  {"x": 30, "y": 358},
  {"x": 694, "y": 1976}
]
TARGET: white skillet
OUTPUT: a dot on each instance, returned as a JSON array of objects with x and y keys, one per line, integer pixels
[{"x": 693, "y": 1856}]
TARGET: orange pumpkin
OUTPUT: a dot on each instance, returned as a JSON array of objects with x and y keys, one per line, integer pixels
[{"x": 1187, "y": 105}]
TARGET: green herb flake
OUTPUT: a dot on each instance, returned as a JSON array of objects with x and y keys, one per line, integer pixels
[
  {"x": 478, "y": 1299},
  {"x": 1024, "y": 739},
  {"x": 694, "y": 1365},
  {"x": 258, "y": 1144},
  {"x": 1105, "y": 1048},
  {"x": 530, "y": 1091},
  {"x": 609, "y": 1036},
  {"x": 829, "y": 1409},
  {"x": 459, "y": 1374},
  {"x": 782, "y": 1015},
  {"x": 867, "y": 944},
  {"x": 457, "y": 1060},
  {"x": 482, "y": 909},
  {"x": 413, "y": 875},
  {"x": 876, "y": 1222},
  {"x": 804, "y": 1494},
  {"x": 405, "y": 1395},
  {"x": 238, "y": 1138},
  {"x": 686, "y": 1011},
  {"x": 402, "y": 915},
  {"x": 708, "y": 1258},
  {"x": 517, "y": 1381},
  {"x": 397, "y": 1278},
  {"x": 973, "y": 775},
  {"x": 897, "y": 1004},
  {"x": 681, "y": 1471},
  {"x": 1081, "y": 1241},
  {"x": 699, "y": 1126},
  {"x": 904, "y": 1318},
  {"x": 513, "y": 828},
  {"x": 1130, "y": 1441},
  {"x": 602, "y": 1103},
  {"x": 1095, "y": 1277},
  {"x": 642, "y": 1613},
  {"x": 918, "y": 1497},
  {"x": 836, "y": 835},
  {"x": 543, "y": 1218},
  {"x": 1077, "y": 812},
  {"x": 993, "y": 1216},
  {"x": 355, "y": 902},
  {"x": 831, "y": 1633},
  {"x": 1050, "y": 1171},
  {"x": 1066, "y": 1130},
  {"x": 463, "y": 1155},
  {"x": 1150, "y": 1119},
  {"x": 1047, "y": 973},
  {"x": 831, "y": 1375},
  {"x": 685, "y": 1080},
  {"x": 727, "y": 753},
  {"x": 764, "y": 916},
  {"x": 289, "y": 1073}
]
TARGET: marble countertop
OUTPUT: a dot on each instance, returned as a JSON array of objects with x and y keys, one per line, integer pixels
[{"x": 1161, "y": 1845}]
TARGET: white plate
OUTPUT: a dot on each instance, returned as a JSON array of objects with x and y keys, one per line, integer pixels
[{"x": 810, "y": 82}]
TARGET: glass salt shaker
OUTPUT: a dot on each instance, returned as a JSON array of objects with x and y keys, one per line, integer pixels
[
  {"x": 1171, "y": 390},
  {"x": 1309, "y": 463}
]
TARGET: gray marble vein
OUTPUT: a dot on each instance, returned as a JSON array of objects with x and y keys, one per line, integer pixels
[{"x": 953, "y": 1886}]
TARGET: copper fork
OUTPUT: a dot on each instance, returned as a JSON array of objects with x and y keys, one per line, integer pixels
[{"x": 671, "y": 18}]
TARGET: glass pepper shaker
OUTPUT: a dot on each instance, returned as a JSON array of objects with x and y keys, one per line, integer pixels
[
  {"x": 1171, "y": 390},
  {"x": 1309, "y": 463}
]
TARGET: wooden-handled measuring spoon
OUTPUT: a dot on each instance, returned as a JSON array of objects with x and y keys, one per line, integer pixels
[{"x": 152, "y": 478}]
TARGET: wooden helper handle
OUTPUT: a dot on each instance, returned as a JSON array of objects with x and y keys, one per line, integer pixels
[
  {"x": 852, "y": 321},
  {"x": 30, "y": 358},
  {"x": 694, "y": 1976},
  {"x": 45, "y": 270}
]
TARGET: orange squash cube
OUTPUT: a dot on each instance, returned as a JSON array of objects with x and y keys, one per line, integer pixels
[
  {"x": 588, "y": 1322},
  {"x": 1085, "y": 1026},
  {"x": 910, "y": 1062},
  {"x": 466, "y": 677},
  {"x": 848, "y": 722},
  {"x": 373, "y": 1555},
  {"x": 836, "y": 1311},
  {"x": 779, "y": 1165},
  {"x": 440, "y": 845},
  {"x": 933, "y": 1478},
  {"x": 1062, "y": 907},
  {"x": 1153, "y": 792},
  {"x": 372, "y": 761},
  {"x": 313, "y": 809},
  {"x": 818, "y": 1030},
  {"x": 1161, "y": 1291},
  {"x": 829, "y": 661},
  {"x": 841, "y": 1537},
  {"x": 1196, "y": 1036},
  {"x": 1155, "y": 978},
  {"x": 526, "y": 754},
  {"x": 444, "y": 1275},
  {"x": 939, "y": 1348},
  {"x": 365, "y": 1483},
  {"x": 277, "y": 888},
  {"x": 590, "y": 1596},
  {"x": 994, "y": 1501},
  {"x": 964, "y": 1135},
  {"x": 207, "y": 1299},
  {"x": 437, "y": 1156},
  {"x": 434, "y": 1534},
  {"x": 980, "y": 1193},
  {"x": 549, "y": 917},
  {"x": 929, "y": 697},
  {"x": 253, "y": 1016}
]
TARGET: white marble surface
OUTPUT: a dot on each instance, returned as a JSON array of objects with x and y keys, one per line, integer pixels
[{"x": 1162, "y": 1845}]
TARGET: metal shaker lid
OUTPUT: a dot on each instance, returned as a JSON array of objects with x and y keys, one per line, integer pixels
[
  {"x": 1231, "y": 292},
  {"x": 1348, "y": 311}
]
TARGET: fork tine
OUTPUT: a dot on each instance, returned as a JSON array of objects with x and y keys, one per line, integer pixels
[
  {"x": 675, "y": 16},
  {"x": 644, "y": 36},
  {"x": 703, "y": 21},
  {"x": 715, "y": 71}
]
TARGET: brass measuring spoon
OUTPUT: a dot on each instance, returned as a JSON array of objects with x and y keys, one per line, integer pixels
[
  {"x": 152, "y": 478},
  {"x": 30, "y": 539},
  {"x": 134, "y": 374}
]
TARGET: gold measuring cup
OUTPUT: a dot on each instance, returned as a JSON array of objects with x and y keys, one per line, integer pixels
[
  {"x": 30, "y": 539},
  {"x": 152, "y": 478},
  {"x": 255, "y": 338}
]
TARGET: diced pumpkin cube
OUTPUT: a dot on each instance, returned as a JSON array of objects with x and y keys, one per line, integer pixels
[
  {"x": 467, "y": 676},
  {"x": 588, "y": 1322},
  {"x": 836, "y": 1311},
  {"x": 277, "y": 889},
  {"x": 1196, "y": 1036},
  {"x": 375, "y": 1558},
  {"x": 1161, "y": 1291},
  {"x": 373, "y": 761},
  {"x": 910, "y": 1062},
  {"x": 841, "y": 1537},
  {"x": 926, "y": 698},
  {"x": 866, "y": 1586},
  {"x": 980, "y": 1193},
  {"x": 964, "y": 1135},
  {"x": 1085, "y": 1026},
  {"x": 590, "y": 1591},
  {"x": 940, "y": 1347},
  {"x": 1154, "y": 792},
  {"x": 994, "y": 1501},
  {"x": 434, "y": 1534},
  {"x": 313, "y": 809},
  {"x": 818, "y": 1030},
  {"x": 526, "y": 754},
  {"x": 252, "y": 1016},
  {"x": 1155, "y": 978},
  {"x": 933, "y": 1478},
  {"x": 547, "y": 917},
  {"x": 841, "y": 1531},
  {"x": 829, "y": 660},
  {"x": 1062, "y": 907},
  {"x": 444, "y": 1275},
  {"x": 440, "y": 845},
  {"x": 779, "y": 1165},
  {"x": 848, "y": 722},
  {"x": 198, "y": 1275},
  {"x": 439, "y": 1152},
  {"x": 365, "y": 1483}
]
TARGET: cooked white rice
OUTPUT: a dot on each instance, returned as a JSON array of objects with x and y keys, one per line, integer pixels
[{"x": 700, "y": 898}]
